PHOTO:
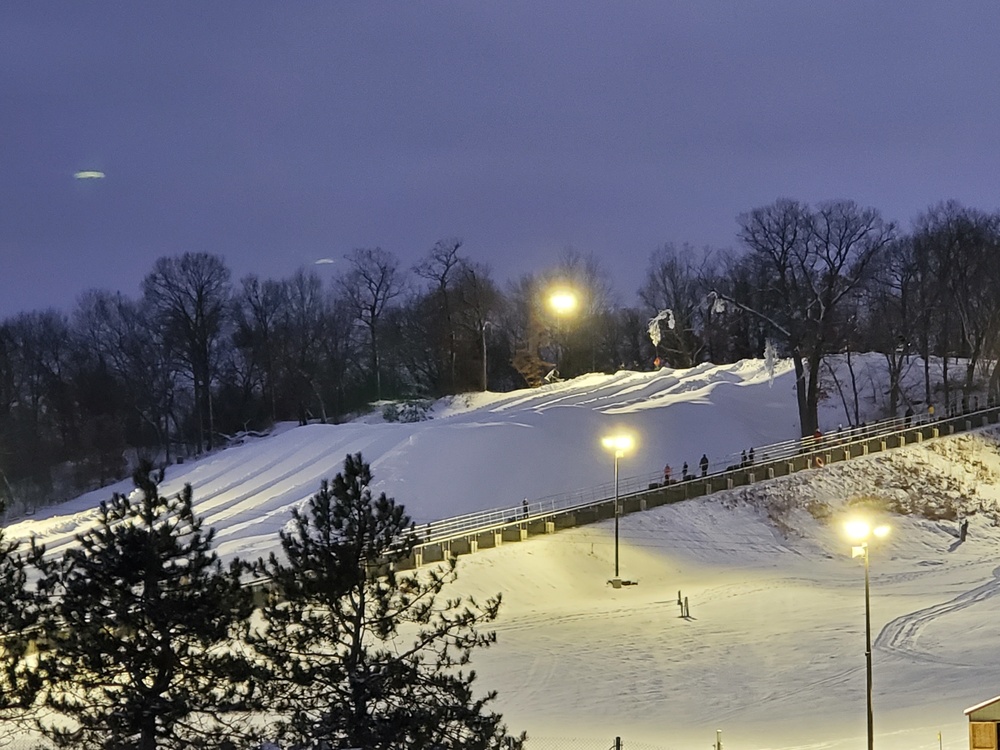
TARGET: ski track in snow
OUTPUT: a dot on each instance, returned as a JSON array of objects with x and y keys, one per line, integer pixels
[{"x": 900, "y": 636}]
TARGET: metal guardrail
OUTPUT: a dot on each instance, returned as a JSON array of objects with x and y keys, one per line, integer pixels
[{"x": 842, "y": 439}]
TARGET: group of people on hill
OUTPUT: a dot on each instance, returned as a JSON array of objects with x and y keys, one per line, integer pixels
[
  {"x": 668, "y": 472},
  {"x": 747, "y": 458}
]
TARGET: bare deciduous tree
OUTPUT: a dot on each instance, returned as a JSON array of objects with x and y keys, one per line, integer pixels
[
  {"x": 372, "y": 282},
  {"x": 676, "y": 281},
  {"x": 256, "y": 311},
  {"x": 480, "y": 301},
  {"x": 190, "y": 296},
  {"x": 440, "y": 267},
  {"x": 811, "y": 261}
]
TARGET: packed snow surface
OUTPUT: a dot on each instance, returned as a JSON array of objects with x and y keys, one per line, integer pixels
[{"x": 773, "y": 651}]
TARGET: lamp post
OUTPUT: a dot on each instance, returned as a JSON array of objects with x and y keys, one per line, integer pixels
[
  {"x": 619, "y": 444},
  {"x": 482, "y": 331},
  {"x": 563, "y": 302},
  {"x": 861, "y": 531}
]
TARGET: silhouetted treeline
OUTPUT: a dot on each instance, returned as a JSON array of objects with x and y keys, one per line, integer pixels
[{"x": 198, "y": 357}]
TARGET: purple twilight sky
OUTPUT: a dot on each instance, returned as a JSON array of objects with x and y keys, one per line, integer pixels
[{"x": 274, "y": 134}]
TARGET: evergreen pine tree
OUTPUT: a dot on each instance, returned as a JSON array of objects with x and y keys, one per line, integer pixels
[
  {"x": 140, "y": 636},
  {"x": 363, "y": 657},
  {"x": 19, "y": 608}
]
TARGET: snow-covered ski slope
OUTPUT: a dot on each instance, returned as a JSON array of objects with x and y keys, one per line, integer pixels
[
  {"x": 478, "y": 451},
  {"x": 773, "y": 653}
]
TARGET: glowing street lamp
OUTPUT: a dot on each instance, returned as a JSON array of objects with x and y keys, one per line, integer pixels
[
  {"x": 619, "y": 444},
  {"x": 563, "y": 301},
  {"x": 859, "y": 530}
]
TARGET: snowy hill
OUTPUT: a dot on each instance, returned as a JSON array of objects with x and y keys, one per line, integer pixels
[
  {"x": 478, "y": 451},
  {"x": 774, "y": 651}
]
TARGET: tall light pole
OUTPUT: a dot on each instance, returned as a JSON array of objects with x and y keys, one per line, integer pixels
[
  {"x": 563, "y": 302},
  {"x": 619, "y": 444},
  {"x": 861, "y": 531},
  {"x": 482, "y": 331}
]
